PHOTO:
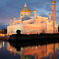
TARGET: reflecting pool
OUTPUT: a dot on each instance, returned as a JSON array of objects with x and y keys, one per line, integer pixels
[{"x": 11, "y": 51}]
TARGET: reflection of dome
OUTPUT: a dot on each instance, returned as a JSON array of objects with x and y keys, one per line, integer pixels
[
  {"x": 25, "y": 18},
  {"x": 25, "y": 9}
]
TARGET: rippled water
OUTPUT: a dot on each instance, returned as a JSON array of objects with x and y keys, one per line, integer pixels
[{"x": 10, "y": 51}]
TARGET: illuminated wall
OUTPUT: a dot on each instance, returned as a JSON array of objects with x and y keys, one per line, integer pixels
[{"x": 13, "y": 28}]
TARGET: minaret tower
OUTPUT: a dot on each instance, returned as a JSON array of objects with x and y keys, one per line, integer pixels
[
  {"x": 49, "y": 17},
  {"x": 10, "y": 21},
  {"x": 34, "y": 14},
  {"x": 54, "y": 13},
  {"x": 14, "y": 19}
]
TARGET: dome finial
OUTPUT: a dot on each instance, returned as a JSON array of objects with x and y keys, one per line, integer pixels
[{"x": 25, "y": 5}]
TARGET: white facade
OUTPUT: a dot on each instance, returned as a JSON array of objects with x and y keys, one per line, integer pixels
[
  {"x": 13, "y": 28},
  {"x": 37, "y": 25}
]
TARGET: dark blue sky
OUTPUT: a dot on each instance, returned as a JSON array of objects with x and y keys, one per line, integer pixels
[{"x": 11, "y": 8}]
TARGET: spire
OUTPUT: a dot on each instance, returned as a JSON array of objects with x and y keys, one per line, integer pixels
[{"x": 25, "y": 5}]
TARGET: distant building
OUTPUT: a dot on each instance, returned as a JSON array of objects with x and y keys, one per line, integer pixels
[
  {"x": 3, "y": 32},
  {"x": 37, "y": 25}
]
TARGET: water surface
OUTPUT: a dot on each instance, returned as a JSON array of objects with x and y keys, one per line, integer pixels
[{"x": 10, "y": 51}]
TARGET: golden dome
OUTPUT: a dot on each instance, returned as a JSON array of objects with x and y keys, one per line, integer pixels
[
  {"x": 14, "y": 17},
  {"x": 10, "y": 18},
  {"x": 49, "y": 13},
  {"x": 34, "y": 11},
  {"x": 25, "y": 9},
  {"x": 53, "y": 2}
]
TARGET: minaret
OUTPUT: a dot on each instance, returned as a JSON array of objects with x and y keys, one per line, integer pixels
[
  {"x": 10, "y": 21},
  {"x": 54, "y": 13},
  {"x": 49, "y": 17},
  {"x": 14, "y": 19},
  {"x": 34, "y": 14}
]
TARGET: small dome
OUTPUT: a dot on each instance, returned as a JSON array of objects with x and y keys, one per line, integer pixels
[
  {"x": 53, "y": 2},
  {"x": 49, "y": 13},
  {"x": 10, "y": 18},
  {"x": 34, "y": 10}
]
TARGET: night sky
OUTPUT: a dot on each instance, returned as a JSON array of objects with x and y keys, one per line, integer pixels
[{"x": 11, "y": 8}]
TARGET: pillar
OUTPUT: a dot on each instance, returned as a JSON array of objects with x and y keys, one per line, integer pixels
[
  {"x": 34, "y": 14},
  {"x": 14, "y": 19},
  {"x": 54, "y": 14},
  {"x": 10, "y": 21},
  {"x": 49, "y": 17}
]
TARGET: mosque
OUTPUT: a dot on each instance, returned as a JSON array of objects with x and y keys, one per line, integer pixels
[{"x": 35, "y": 25}]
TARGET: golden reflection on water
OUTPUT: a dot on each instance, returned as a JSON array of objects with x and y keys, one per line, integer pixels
[
  {"x": 14, "y": 50},
  {"x": 36, "y": 51},
  {"x": 1, "y": 44}
]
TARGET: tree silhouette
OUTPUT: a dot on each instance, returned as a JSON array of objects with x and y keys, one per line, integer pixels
[{"x": 18, "y": 32}]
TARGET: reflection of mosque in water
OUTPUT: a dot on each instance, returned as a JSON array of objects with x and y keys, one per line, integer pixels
[
  {"x": 14, "y": 50},
  {"x": 1, "y": 44},
  {"x": 36, "y": 51}
]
